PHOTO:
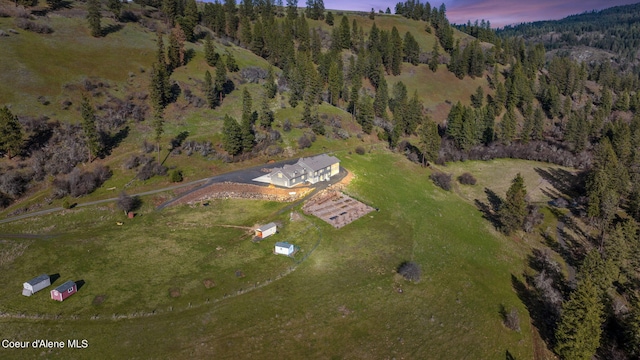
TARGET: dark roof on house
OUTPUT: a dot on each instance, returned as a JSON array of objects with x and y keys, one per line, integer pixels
[
  {"x": 318, "y": 162},
  {"x": 283, "y": 244},
  {"x": 39, "y": 279},
  {"x": 267, "y": 226},
  {"x": 66, "y": 286}
]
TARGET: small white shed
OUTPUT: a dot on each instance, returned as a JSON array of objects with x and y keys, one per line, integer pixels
[
  {"x": 36, "y": 284},
  {"x": 266, "y": 230},
  {"x": 284, "y": 248}
]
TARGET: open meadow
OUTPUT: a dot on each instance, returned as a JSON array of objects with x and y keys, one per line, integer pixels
[{"x": 182, "y": 282}]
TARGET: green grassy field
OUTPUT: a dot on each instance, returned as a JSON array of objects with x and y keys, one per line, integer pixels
[{"x": 341, "y": 302}]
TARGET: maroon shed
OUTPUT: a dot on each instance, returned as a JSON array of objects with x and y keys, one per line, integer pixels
[{"x": 64, "y": 291}]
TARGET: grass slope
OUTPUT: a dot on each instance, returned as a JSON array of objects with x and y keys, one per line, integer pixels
[{"x": 342, "y": 302}]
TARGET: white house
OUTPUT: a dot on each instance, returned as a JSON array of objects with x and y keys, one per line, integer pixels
[
  {"x": 307, "y": 170},
  {"x": 36, "y": 284},
  {"x": 266, "y": 230},
  {"x": 284, "y": 248}
]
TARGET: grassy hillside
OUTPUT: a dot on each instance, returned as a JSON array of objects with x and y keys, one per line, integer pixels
[{"x": 344, "y": 301}]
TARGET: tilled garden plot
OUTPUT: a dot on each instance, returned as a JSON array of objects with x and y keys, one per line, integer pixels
[{"x": 336, "y": 208}]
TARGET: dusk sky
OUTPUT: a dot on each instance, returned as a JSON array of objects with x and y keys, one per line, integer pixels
[{"x": 498, "y": 12}]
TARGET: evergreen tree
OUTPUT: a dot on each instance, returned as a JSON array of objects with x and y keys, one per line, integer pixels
[
  {"x": 579, "y": 331},
  {"x": 221, "y": 79},
  {"x": 335, "y": 83},
  {"x": 508, "y": 126},
  {"x": 158, "y": 128},
  {"x": 538, "y": 124},
  {"x": 344, "y": 33},
  {"x": 160, "y": 92},
  {"x": 266, "y": 115},
  {"x": 175, "y": 54},
  {"x": 93, "y": 17},
  {"x": 292, "y": 9},
  {"x": 89, "y": 128},
  {"x": 489, "y": 120},
  {"x": 429, "y": 141},
  {"x": 527, "y": 127},
  {"x": 246, "y": 35},
  {"x": 435, "y": 57},
  {"x": 248, "y": 136},
  {"x": 231, "y": 136},
  {"x": 514, "y": 209},
  {"x": 270, "y": 86},
  {"x": 354, "y": 96},
  {"x": 364, "y": 114},
  {"x": 477, "y": 98},
  {"x": 10, "y": 133},
  {"x": 381, "y": 99},
  {"x": 329, "y": 18},
  {"x": 190, "y": 19},
  {"x": 54, "y": 4},
  {"x": 115, "y": 6},
  {"x": 209, "y": 91},
  {"x": 396, "y": 55},
  {"x": 247, "y": 105},
  {"x": 210, "y": 54},
  {"x": 411, "y": 49},
  {"x": 232, "y": 65}
]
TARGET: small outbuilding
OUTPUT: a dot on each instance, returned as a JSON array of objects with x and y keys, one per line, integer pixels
[
  {"x": 266, "y": 230},
  {"x": 64, "y": 291},
  {"x": 284, "y": 248},
  {"x": 36, "y": 284}
]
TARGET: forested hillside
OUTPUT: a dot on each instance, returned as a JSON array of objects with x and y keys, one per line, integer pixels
[
  {"x": 141, "y": 94},
  {"x": 613, "y": 30}
]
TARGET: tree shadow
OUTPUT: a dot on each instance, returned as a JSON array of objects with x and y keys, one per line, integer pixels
[
  {"x": 177, "y": 141},
  {"x": 110, "y": 29},
  {"x": 542, "y": 316},
  {"x": 111, "y": 142},
  {"x": 563, "y": 181},
  {"x": 508, "y": 356},
  {"x": 189, "y": 54},
  {"x": 79, "y": 284},
  {"x": 228, "y": 87},
  {"x": 494, "y": 199},
  {"x": 175, "y": 92}
]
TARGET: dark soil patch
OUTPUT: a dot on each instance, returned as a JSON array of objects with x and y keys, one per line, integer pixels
[
  {"x": 99, "y": 299},
  {"x": 239, "y": 274},
  {"x": 174, "y": 292}
]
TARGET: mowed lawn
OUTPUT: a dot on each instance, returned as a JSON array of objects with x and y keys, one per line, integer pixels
[{"x": 344, "y": 301}]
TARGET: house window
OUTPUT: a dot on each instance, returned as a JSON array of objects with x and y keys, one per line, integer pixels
[
  {"x": 70, "y": 290},
  {"x": 280, "y": 175}
]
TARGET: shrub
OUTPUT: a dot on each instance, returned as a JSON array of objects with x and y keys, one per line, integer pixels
[
  {"x": 151, "y": 169},
  {"x": 442, "y": 180},
  {"x": 467, "y": 179},
  {"x": 13, "y": 183},
  {"x": 304, "y": 142},
  {"x": 79, "y": 183},
  {"x": 253, "y": 74},
  {"x": 360, "y": 150},
  {"x": 175, "y": 175},
  {"x": 128, "y": 203},
  {"x": 512, "y": 320},
  {"x": 66, "y": 204},
  {"x": 33, "y": 26},
  {"x": 410, "y": 270},
  {"x": 286, "y": 126}
]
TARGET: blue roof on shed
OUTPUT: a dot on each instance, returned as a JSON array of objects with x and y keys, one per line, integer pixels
[
  {"x": 283, "y": 244},
  {"x": 66, "y": 286},
  {"x": 39, "y": 279}
]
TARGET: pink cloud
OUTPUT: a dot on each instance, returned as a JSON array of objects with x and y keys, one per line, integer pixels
[{"x": 504, "y": 12}]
